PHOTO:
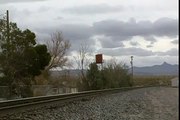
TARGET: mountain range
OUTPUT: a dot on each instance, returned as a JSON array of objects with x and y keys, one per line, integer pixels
[{"x": 163, "y": 69}]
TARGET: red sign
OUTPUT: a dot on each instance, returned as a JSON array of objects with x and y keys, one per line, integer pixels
[{"x": 99, "y": 58}]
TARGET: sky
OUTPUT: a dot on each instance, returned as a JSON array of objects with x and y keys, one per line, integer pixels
[{"x": 144, "y": 29}]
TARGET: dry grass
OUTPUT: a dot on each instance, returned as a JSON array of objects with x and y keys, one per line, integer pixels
[{"x": 152, "y": 80}]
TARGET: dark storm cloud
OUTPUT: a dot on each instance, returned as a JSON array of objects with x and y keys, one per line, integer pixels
[
  {"x": 93, "y": 9},
  {"x": 126, "y": 51},
  {"x": 15, "y": 1},
  {"x": 171, "y": 52},
  {"x": 161, "y": 27}
]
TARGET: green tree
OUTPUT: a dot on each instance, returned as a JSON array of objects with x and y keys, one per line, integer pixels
[
  {"x": 94, "y": 77},
  {"x": 20, "y": 58}
]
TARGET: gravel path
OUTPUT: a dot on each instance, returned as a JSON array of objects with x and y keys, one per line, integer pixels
[{"x": 157, "y": 103}]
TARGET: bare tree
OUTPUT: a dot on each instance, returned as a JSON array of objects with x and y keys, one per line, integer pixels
[
  {"x": 82, "y": 62},
  {"x": 81, "y": 59},
  {"x": 58, "y": 47}
]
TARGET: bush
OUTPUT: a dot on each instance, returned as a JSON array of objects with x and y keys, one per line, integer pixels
[
  {"x": 112, "y": 75},
  {"x": 116, "y": 75}
]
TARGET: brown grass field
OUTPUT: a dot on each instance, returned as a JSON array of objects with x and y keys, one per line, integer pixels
[{"x": 152, "y": 80}]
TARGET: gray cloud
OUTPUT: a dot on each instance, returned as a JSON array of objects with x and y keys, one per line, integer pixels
[
  {"x": 123, "y": 31},
  {"x": 109, "y": 43},
  {"x": 175, "y": 41},
  {"x": 46, "y": 20},
  {"x": 134, "y": 43},
  {"x": 78, "y": 32},
  {"x": 75, "y": 33},
  {"x": 161, "y": 27},
  {"x": 71, "y": 31},
  {"x": 114, "y": 32},
  {"x": 93, "y": 9},
  {"x": 166, "y": 27},
  {"x": 58, "y": 18},
  {"x": 137, "y": 52},
  {"x": 171, "y": 52},
  {"x": 44, "y": 9},
  {"x": 150, "y": 38},
  {"x": 149, "y": 46},
  {"x": 15, "y": 1},
  {"x": 126, "y": 51}
]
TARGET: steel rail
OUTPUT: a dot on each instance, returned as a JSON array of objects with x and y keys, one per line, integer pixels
[{"x": 9, "y": 104}]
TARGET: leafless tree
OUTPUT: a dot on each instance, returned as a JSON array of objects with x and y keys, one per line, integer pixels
[
  {"x": 81, "y": 59},
  {"x": 82, "y": 62},
  {"x": 58, "y": 47}
]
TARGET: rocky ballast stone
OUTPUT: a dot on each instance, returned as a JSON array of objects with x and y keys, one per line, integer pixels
[{"x": 155, "y": 103}]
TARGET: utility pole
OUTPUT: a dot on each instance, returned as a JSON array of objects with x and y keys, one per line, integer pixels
[
  {"x": 7, "y": 20},
  {"x": 132, "y": 67}
]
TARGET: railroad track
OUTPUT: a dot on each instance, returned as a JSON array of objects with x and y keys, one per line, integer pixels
[{"x": 44, "y": 100}]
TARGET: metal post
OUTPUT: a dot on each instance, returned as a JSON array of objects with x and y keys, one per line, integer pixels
[
  {"x": 132, "y": 67},
  {"x": 7, "y": 17}
]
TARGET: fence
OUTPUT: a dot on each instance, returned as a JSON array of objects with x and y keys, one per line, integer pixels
[
  {"x": 3, "y": 92},
  {"x": 39, "y": 90}
]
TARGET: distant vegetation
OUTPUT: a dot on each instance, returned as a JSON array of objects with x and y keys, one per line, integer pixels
[
  {"x": 111, "y": 75},
  {"x": 152, "y": 80}
]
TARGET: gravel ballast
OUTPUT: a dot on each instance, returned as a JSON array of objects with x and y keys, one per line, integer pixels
[{"x": 154, "y": 103}]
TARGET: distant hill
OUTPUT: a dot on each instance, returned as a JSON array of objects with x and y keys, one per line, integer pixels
[{"x": 163, "y": 69}]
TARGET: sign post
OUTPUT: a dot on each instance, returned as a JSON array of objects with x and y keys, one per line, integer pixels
[{"x": 99, "y": 60}]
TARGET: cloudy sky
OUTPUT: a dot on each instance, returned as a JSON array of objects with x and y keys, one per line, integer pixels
[{"x": 145, "y": 29}]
